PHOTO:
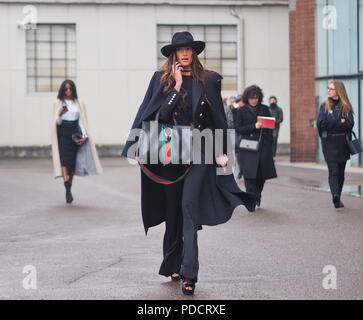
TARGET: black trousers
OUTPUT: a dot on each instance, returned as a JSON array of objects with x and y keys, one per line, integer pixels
[
  {"x": 274, "y": 146},
  {"x": 256, "y": 185},
  {"x": 275, "y": 135},
  {"x": 336, "y": 177},
  {"x": 239, "y": 160},
  {"x": 180, "y": 246}
]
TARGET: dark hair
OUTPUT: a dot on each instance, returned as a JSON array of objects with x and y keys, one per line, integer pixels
[
  {"x": 252, "y": 91},
  {"x": 272, "y": 97},
  {"x": 198, "y": 73},
  {"x": 61, "y": 94}
]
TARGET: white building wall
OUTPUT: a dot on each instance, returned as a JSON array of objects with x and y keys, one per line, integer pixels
[{"x": 116, "y": 56}]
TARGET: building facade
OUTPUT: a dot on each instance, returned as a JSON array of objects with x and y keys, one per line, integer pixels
[
  {"x": 326, "y": 43},
  {"x": 111, "y": 49}
]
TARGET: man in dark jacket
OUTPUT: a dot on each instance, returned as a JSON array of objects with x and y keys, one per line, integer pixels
[{"x": 277, "y": 113}]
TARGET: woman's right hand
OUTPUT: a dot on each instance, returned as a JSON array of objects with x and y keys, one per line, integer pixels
[
  {"x": 176, "y": 70},
  {"x": 258, "y": 125},
  {"x": 62, "y": 111}
]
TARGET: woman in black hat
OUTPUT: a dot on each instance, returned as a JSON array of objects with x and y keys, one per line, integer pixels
[{"x": 184, "y": 93}]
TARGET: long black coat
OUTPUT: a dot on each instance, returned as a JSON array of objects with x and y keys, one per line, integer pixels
[
  {"x": 218, "y": 194},
  {"x": 250, "y": 160},
  {"x": 333, "y": 134}
]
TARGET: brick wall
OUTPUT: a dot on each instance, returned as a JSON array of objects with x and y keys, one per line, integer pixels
[{"x": 302, "y": 82}]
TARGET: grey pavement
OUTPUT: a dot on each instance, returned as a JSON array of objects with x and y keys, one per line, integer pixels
[{"x": 96, "y": 247}]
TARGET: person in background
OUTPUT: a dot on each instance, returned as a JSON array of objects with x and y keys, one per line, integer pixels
[
  {"x": 257, "y": 165},
  {"x": 233, "y": 107},
  {"x": 239, "y": 101},
  {"x": 225, "y": 102},
  {"x": 335, "y": 122},
  {"x": 278, "y": 114},
  {"x": 73, "y": 149},
  {"x": 229, "y": 110}
]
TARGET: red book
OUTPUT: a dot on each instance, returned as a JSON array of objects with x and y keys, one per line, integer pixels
[{"x": 267, "y": 122}]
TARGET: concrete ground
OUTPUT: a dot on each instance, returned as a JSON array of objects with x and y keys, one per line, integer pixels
[{"x": 96, "y": 248}]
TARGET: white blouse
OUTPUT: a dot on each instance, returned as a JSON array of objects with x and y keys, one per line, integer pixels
[{"x": 72, "y": 115}]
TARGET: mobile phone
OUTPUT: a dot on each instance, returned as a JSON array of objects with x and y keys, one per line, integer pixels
[{"x": 175, "y": 61}]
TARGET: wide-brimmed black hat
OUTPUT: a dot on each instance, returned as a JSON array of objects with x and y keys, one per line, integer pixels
[{"x": 182, "y": 39}]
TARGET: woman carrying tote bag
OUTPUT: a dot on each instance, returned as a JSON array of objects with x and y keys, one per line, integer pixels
[
  {"x": 73, "y": 150},
  {"x": 335, "y": 123},
  {"x": 184, "y": 93}
]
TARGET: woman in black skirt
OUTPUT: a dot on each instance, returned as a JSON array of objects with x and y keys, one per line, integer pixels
[
  {"x": 335, "y": 122},
  {"x": 71, "y": 133},
  {"x": 184, "y": 93}
]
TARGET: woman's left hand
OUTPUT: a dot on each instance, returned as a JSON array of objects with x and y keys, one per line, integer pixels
[
  {"x": 222, "y": 161},
  {"x": 81, "y": 141}
]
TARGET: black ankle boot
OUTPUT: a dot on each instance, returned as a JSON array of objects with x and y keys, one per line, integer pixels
[
  {"x": 336, "y": 201},
  {"x": 68, "y": 186},
  {"x": 258, "y": 199}
]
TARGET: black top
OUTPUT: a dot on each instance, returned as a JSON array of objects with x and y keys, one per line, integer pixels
[
  {"x": 254, "y": 109},
  {"x": 179, "y": 113},
  {"x": 335, "y": 102},
  {"x": 183, "y": 113}
]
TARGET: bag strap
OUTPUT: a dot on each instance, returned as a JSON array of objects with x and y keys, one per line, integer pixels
[
  {"x": 259, "y": 139},
  {"x": 154, "y": 177}
]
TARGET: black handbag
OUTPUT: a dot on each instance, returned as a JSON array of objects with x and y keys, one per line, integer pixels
[
  {"x": 161, "y": 143},
  {"x": 251, "y": 145},
  {"x": 355, "y": 146},
  {"x": 77, "y": 136}
]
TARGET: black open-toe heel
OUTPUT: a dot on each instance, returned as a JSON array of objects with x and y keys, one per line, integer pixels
[
  {"x": 175, "y": 278},
  {"x": 188, "y": 288}
]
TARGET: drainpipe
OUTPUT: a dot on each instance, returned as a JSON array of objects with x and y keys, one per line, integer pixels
[{"x": 241, "y": 67}]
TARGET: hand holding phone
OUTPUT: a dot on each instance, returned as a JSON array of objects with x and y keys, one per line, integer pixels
[
  {"x": 63, "y": 110},
  {"x": 176, "y": 69}
]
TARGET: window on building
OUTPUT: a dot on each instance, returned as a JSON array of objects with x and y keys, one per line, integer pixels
[
  {"x": 360, "y": 31},
  {"x": 51, "y": 56},
  {"x": 220, "y": 54},
  {"x": 336, "y": 34},
  {"x": 339, "y": 39}
]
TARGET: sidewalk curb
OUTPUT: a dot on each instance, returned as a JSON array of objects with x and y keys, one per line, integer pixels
[{"x": 312, "y": 165}]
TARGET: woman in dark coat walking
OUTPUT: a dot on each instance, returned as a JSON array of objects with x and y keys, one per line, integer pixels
[
  {"x": 257, "y": 166},
  {"x": 335, "y": 122},
  {"x": 184, "y": 93}
]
